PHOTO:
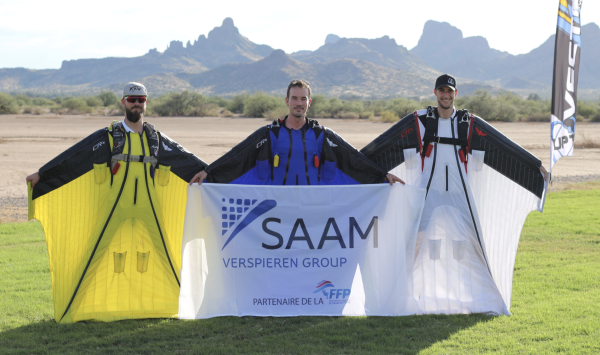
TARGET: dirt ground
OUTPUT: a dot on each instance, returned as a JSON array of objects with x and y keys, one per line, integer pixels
[{"x": 27, "y": 142}]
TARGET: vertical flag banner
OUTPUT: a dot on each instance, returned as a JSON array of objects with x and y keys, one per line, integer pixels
[
  {"x": 305, "y": 250},
  {"x": 567, "y": 51}
]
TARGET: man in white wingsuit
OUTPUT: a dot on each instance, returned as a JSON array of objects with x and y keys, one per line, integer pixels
[{"x": 480, "y": 188}]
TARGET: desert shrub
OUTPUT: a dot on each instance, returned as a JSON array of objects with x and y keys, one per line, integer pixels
[
  {"x": 23, "y": 100},
  {"x": 317, "y": 106},
  {"x": 33, "y": 110},
  {"x": 76, "y": 105},
  {"x": 353, "y": 106},
  {"x": 367, "y": 114},
  {"x": 176, "y": 104},
  {"x": 236, "y": 104},
  {"x": 582, "y": 142},
  {"x": 537, "y": 117},
  {"x": 218, "y": 100},
  {"x": 204, "y": 110},
  {"x": 259, "y": 103},
  {"x": 278, "y": 112},
  {"x": 595, "y": 118},
  {"x": 94, "y": 101},
  {"x": 402, "y": 107},
  {"x": 375, "y": 107},
  {"x": 226, "y": 113},
  {"x": 118, "y": 110},
  {"x": 8, "y": 104},
  {"x": 59, "y": 110},
  {"x": 389, "y": 116},
  {"x": 482, "y": 104},
  {"x": 506, "y": 113},
  {"x": 58, "y": 100},
  {"x": 586, "y": 109},
  {"x": 348, "y": 115},
  {"x": 108, "y": 98},
  {"x": 42, "y": 101}
]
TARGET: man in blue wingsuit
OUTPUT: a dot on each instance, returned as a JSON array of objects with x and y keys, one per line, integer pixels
[{"x": 294, "y": 151}]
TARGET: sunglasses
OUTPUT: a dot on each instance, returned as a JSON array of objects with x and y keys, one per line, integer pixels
[{"x": 133, "y": 99}]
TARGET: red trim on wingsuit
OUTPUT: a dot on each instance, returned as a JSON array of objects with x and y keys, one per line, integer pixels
[
  {"x": 469, "y": 141},
  {"x": 420, "y": 141}
]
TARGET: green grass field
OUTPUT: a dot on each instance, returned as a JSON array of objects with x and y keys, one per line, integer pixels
[{"x": 556, "y": 295}]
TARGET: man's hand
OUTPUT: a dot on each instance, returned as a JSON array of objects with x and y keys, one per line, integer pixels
[
  {"x": 391, "y": 178},
  {"x": 545, "y": 172},
  {"x": 33, "y": 179},
  {"x": 199, "y": 177}
]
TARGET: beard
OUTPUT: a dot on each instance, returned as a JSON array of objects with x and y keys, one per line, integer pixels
[
  {"x": 299, "y": 114},
  {"x": 444, "y": 107},
  {"x": 134, "y": 116}
]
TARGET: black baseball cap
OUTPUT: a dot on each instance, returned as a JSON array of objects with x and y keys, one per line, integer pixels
[{"x": 445, "y": 80}]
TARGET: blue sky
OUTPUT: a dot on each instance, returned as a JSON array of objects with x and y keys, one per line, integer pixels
[{"x": 41, "y": 34}]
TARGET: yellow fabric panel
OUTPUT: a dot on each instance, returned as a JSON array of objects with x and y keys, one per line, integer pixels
[
  {"x": 69, "y": 216},
  {"x": 75, "y": 218},
  {"x": 173, "y": 199}
]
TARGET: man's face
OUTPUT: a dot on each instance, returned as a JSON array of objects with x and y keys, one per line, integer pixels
[
  {"x": 298, "y": 101},
  {"x": 134, "y": 111},
  {"x": 445, "y": 97}
]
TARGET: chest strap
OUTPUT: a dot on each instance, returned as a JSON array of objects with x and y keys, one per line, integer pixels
[
  {"x": 120, "y": 136},
  {"x": 431, "y": 132},
  {"x": 135, "y": 158}
]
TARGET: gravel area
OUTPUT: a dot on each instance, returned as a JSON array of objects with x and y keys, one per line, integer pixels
[{"x": 13, "y": 209}]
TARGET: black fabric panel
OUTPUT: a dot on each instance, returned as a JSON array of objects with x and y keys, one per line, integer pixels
[
  {"x": 350, "y": 161},
  {"x": 183, "y": 163},
  {"x": 73, "y": 162},
  {"x": 507, "y": 157},
  {"x": 241, "y": 158},
  {"x": 387, "y": 150}
]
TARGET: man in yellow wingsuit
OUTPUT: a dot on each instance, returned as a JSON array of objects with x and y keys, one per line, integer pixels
[{"x": 112, "y": 207}]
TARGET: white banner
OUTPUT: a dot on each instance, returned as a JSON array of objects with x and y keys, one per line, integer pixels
[{"x": 306, "y": 250}]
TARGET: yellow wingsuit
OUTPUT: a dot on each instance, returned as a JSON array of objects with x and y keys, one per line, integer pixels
[{"x": 112, "y": 208}]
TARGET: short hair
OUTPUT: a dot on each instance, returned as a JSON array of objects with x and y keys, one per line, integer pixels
[{"x": 300, "y": 84}]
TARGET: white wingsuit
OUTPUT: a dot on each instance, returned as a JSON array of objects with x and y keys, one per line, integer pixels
[{"x": 474, "y": 210}]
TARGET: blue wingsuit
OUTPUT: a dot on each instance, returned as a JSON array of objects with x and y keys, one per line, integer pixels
[{"x": 277, "y": 155}]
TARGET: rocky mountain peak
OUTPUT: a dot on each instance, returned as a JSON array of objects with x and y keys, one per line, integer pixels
[
  {"x": 227, "y": 31},
  {"x": 331, "y": 38},
  {"x": 439, "y": 32}
]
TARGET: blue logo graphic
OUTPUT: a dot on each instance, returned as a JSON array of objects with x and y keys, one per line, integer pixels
[{"x": 236, "y": 208}]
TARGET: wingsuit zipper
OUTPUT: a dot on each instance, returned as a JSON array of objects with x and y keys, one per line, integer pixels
[
  {"x": 162, "y": 238},
  {"x": 287, "y": 164},
  {"x": 446, "y": 177},
  {"x": 101, "y": 233},
  {"x": 468, "y": 202},
  {"x": 305, "y": 156},
  {"x": 135, "y": 192}
]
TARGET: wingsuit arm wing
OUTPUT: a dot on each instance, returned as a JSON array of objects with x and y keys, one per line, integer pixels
[
  {"x": 183, "y": 163},
  {"x": 73, "y": 163},
  {"x": 387, "y": 150},
  {"x": 349, "y": 160},
  {"x": 507, "y": 157},
  {"x": 241, "y": 159}
]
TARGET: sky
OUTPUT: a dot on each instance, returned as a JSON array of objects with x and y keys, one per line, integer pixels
[{"x": 40, "y": 34}]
